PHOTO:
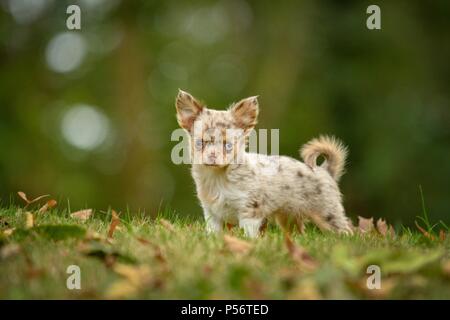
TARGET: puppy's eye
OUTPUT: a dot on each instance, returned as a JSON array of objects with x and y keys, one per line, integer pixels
[
  {"x": 199, "y": 143},
  {"x": 228, "y": 146}
]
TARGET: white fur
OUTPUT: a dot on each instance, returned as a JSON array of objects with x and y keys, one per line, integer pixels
[{"x": 260, "y": 186}]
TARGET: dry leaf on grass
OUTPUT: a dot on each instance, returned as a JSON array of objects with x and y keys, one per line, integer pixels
[
  {"x": 236, "y": 245},
  {"x": 425, "y": 232},
  {"x": 8, "y": 232},
  {"x": 135, "y": 278},
  {"x": 114, "y": 222},
  {"x": 299, "y": 254},
  {"x": 9, "y": 250},
  {"x": 158, "y": 254},
  {"x": 24, "y": 197},
  {"x": 442, "y": 235},
  {"x": 384, "y": 229},
  {"x": 82, "y": 215},
  {"x": 144, "y": 241},
  {"x": 446, "y": 267},
  {"x": 167, "y": 225},
  {"x": 93, "y": 235},
  {"x": 137, "y": 275},
  {"x": 121, "y": 289},
  {"x": 29, "y": 220},
  {"x": 48, "y": 205},
  {"x": 365, "y": 225}
]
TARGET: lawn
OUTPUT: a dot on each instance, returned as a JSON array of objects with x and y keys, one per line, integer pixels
[{"x": 170, "y": 257}]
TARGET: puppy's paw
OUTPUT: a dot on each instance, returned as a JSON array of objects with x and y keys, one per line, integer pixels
[{"x": 251, "y": 226}]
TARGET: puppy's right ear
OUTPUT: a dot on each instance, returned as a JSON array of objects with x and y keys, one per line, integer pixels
[{"x": 188, "y": 109}]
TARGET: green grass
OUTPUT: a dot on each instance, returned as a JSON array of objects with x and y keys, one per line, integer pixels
[{"x": 147, "y": 260}]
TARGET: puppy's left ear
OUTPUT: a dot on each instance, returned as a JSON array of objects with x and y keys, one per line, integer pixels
[{"x": 245, "y": 113}]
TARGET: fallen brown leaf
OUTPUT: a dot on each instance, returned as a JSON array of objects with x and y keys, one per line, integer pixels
[
  {"x": 365, "y": 225},
  {"x": 9, "y": 250},
  {"x": 442, "y": 235},
  {"x": 8, "y": 232},
  {"x": 121, "y": 289},
  {"x": 299, "y": 254},
  {"x": 94, "y": 235},
  {"x": 137, "y": 275},
  {"x": 135, "y": 278},
  {"x": 82, "y": 215},
  {"x": 167, "y": 225},
  {"x": 446, "y": 267},
  {"x": 48, "y": 205},
  {"x": 144, "y": 241},
  {"x": 158, "y": 254},
  {"x": 384, "y": 229},
  {"x": 29, "y": 220},
  {"x": 114, "y": 222},
  {"x": 236, "y": 245},
  {"x": 424, "y": 232},
  {"x": 24, "y": 197}
]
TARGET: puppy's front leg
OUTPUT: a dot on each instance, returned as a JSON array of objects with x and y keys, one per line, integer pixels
[
  {"x": 251, "y": 226},
  {"x": 214, "y": 224}
]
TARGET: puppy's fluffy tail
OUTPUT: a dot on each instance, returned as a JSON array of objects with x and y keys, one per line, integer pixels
[{"x": 332, "y": 149}]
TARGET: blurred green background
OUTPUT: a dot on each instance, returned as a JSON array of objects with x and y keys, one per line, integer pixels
[{"x": 87, "y": 115}]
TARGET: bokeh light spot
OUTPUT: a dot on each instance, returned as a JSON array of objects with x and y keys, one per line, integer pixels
[
  {"x": 85, "y": 127},
  {"x": 65, "y": 52},
  {"x": 27, "y": 11}
]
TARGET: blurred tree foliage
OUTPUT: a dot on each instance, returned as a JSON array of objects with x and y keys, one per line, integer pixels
[{"x": 87, "y": 115}]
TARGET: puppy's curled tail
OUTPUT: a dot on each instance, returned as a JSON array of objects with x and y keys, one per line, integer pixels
[{"x": 332, "y": 149}]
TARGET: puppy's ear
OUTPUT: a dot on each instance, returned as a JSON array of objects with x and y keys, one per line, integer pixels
[
  {"x": 245, "y": 113},
  {"x": 188, "y": 109}
]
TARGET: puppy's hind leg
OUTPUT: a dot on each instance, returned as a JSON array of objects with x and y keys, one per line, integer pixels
[
  {"x": 299, "y": 222},
  {"x": 332, "y": 218},
  {"x": 286, "y": 223},
  {"x": 283, "y": 221}
]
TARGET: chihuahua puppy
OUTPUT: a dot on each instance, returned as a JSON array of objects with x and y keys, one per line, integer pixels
[{"x": 238, "y": 187}]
